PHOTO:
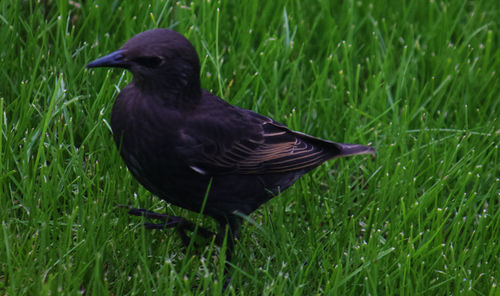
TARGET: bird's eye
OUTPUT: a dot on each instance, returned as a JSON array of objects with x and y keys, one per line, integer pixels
[{"x": 150, "y": 62}]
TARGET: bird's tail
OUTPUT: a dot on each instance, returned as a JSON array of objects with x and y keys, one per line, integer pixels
[{"x": 354, "y": 149}]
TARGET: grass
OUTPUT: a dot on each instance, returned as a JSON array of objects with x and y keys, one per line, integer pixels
[{"x": 418, "y": 80}]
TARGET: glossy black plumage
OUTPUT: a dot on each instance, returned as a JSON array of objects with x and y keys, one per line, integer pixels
[{"x": 175, "y": 136}]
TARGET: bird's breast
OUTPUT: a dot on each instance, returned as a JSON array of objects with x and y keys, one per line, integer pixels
[{"x": 146, "y": 133}]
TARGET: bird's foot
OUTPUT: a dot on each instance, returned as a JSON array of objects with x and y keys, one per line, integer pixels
[
  {"x": 169, "y": 221},
  {"x": 226, "y": 283}
]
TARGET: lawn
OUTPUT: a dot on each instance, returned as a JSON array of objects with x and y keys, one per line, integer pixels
[{"x": 418, "y": 80}]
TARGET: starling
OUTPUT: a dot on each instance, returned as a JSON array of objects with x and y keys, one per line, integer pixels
[{"x": 196, "y": 151}]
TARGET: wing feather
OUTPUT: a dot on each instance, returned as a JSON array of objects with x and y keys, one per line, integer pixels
[
  {"x": 245, "y": 142},
  {"x": 277, "y": 150}
]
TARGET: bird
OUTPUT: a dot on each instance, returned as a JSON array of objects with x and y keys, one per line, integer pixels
[{"x": 193, "y": 149}]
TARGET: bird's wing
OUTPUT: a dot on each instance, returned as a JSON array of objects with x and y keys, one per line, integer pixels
[{"x": 273, "y": 148}]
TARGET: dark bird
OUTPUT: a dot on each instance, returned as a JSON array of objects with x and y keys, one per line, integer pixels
[{"x": 196, "y": 151}]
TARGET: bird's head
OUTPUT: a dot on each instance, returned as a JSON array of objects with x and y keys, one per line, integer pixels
[{"x": 158, "y": 58}]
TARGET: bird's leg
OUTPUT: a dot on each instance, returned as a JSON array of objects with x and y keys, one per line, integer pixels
[
  {"x": 186, "y": 225},
  {"x": 233, "y": 224}
]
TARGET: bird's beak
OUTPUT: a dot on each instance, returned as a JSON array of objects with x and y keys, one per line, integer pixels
[{"x": 115, "y": 59}]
